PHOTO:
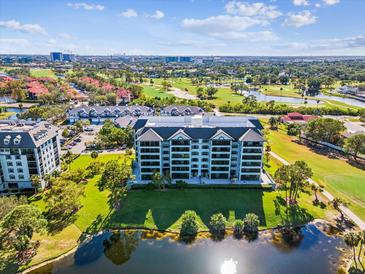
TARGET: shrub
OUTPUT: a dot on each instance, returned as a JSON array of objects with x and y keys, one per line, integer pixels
[
  {"x": 94, "y": 155},
  {"x": 217, "y": 223},
  {"x": 238, "y": 227},
  {"x": 181, "y": 184},
  {"x": 251, "y": 223},
  {"x": 189, "y": 226},
  {"x": 150, "y": 186}
]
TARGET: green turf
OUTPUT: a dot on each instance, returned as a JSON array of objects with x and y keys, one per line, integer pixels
[
  {"x": 163, "y": 209},
  {"x": 40, "y": 73},
  {"x": 153, "y": 91},
  {"x": 338, "y": 177}
]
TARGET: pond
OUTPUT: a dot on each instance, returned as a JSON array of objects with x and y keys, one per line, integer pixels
[
  {"x": 136, "y": 252},
  {"x": 313, "y": 101},
  {"x": 283, "y": 99},
  {"x": 349, "y": 101},
  {"x": 6, "y": 99}
]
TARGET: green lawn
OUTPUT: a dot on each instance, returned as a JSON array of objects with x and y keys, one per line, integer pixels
[
  {"x": 163, "y": 209},
  {"x": 339, "y": 178},
  {"x": 153, "y": 91},
  {"x": 39, "y": 73}
]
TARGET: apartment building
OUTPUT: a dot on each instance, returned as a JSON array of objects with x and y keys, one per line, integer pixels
[
  {"x": 199, "y": 148},
  {"x": 26, "y": 149}
]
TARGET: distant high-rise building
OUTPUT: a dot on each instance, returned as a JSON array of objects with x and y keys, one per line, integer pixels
[
  {"x": 67, "y": 57},
  {"x": 171, "y": 59},
  {"x": 184, "y": 59},
  {"x": 56, "y": 56}
]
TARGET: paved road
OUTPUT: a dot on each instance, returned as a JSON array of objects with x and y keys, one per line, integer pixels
[{"x": 352, "y": 216}]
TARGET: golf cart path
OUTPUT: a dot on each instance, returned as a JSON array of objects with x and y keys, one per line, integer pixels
[{"x": 360, "y": 223}]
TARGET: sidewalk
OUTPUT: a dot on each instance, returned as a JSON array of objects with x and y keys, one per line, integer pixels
[{"x": 360, "y": 223}]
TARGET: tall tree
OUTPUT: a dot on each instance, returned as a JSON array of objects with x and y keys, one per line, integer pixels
[
  {"x": 114, "y": 178},
  {"x": 325, "y": 130},
  {"x": 18, "y": 226},
  {"x": 355, "y": 145},
  {"x": 293, "y": 179}
]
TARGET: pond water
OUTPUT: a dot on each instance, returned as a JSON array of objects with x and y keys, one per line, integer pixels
[
  {"x": 349, "y": 101},
  {"x": 6, "y": 99},
  {"x": 134, "y": 252},
  {"x": 283, "y": 99}
]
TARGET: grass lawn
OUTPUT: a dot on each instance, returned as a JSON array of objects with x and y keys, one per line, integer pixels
[
  {"x": 281, "y": 90},
  {"x": 337, "y": 176},
  {"x": 94, "y": 204},
  {"x": 39, "y": 73},
  {"x": 163, "y": 209},
  {"x": 152, "y": 91},
  {"x": 6, "y": 115}
]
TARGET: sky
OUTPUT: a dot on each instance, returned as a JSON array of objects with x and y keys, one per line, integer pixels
[{"x": 183, "y": 27}]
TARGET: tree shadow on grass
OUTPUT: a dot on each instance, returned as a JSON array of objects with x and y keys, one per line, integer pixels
[
  {"x": 291, "y": 214},
  {"x": 166, "y": 207}
]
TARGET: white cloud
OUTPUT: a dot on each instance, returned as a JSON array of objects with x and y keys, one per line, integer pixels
[
  {"x": 300, "y": 19},
  {"x": 14, "y": 41},
  {"x": 220, "y": 23},
  {"x": 301, "y": 2},
  {"x": 51, "y": 42},
  {"x": 15, "y": 25},
  {"x": 331, "y": 2},
  {"x": 259, "y": 10},
  {"x": 227, "y": 27},
  {"x": 85, "y": 6},
  {"x": 317, "y": 5},
  {"x": 65, "y": 36},
  {"x": 158, "y": 15},
  {"x": 129, "y": 13},
  {"x": 329, "y": 44}
]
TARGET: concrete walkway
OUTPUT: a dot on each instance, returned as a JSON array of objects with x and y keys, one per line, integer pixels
[{"x": 352, "y": 216}]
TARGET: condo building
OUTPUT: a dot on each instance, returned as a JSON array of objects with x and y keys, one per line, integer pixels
[
  {"x": 199, "y": 149},
  {"x": 26, "y": 149}
]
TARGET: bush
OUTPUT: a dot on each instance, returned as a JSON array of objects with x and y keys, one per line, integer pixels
[
  {"x": 217, "y": 224},
  {"x": 238, "y": 227},
  {"x": 150, "y": 186},
  {"x": 181, "y": 184},
  {"x": 94, "y": 155},
  {"x": 251, "y": 223},
  {"x": 189, "y": 226}
]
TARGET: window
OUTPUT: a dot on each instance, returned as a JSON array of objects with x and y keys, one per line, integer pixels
[
  {"x": 8, "y": 157},
  {"x": 21, "y": 177},
  {"x": 19, "y": 163},
  {"x": 19, "y": 170},
  {"x": 9, "y": 163},
  {"x": 11, "y": 170},
  {"x": 17, "y": 157},
  {"x": 12, "y": 177}
]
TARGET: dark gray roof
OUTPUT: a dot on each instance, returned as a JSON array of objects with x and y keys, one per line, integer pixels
[
  {"x": 25, "y": 134},
  {"x": 181, "y": 110},
  {"x": 168, "y": 126},
  {"x": 144, "y": 110}
]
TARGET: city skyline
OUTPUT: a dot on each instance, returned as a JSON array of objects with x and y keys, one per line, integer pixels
[{"x": 191, "y": 27}]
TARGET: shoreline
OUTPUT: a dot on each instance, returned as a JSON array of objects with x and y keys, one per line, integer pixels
[{"x": 229, "y": 231}]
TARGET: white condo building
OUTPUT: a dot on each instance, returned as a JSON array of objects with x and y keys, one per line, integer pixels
[
  {"x": 197, "y": 149},
  {"x": 26, "y": 149}
]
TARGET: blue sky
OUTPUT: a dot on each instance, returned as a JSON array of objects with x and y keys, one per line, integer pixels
[{"x": 183, "y": 27}]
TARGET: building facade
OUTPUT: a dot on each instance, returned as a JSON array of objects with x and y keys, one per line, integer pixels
[
  {"x": 26, "y": 149},
  {"x": 199, "y": 148},
  {"x": 98, "y": 114}
]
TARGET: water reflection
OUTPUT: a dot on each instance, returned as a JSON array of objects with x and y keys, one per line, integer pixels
[
  {"x": 120, "y": 246},
  {"x": 229, "y": 267},
  {"x": 300, "y": 251}
]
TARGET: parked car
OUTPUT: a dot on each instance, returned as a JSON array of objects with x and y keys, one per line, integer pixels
[{"x": 78, "y": 140}]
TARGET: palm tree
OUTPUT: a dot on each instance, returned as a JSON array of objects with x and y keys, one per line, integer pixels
[
  {"x": 36, "y": 182},
  {"x": 316, "y": 188},
  {"x": 361, "y": 235},
  {"x": 352, "y": 240},
  {"x": 336, "y": 203}
]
